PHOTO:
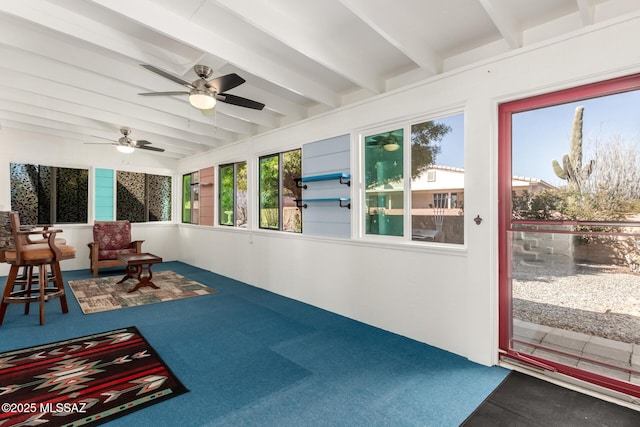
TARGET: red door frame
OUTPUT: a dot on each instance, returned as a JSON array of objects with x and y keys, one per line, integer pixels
[{"x": 505, "y": 111}]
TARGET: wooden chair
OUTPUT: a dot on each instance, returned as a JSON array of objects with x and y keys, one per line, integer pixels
[
  {"x": 21, "y": 253},
  {"x": 111, "y": 239}
]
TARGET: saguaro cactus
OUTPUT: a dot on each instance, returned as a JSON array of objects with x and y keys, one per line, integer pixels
[{"x": 572, "y": 170}]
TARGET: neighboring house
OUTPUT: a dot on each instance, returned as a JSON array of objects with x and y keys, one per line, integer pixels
[
  {"x": 522, "y": 184},
  {"x": 439, "y": 187}
]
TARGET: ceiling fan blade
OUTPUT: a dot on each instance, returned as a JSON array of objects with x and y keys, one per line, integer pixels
[
  {"x": 168, "y": 76},
  {"x": 163, "y": 93},
  {"x": 147, "y": 147},
  {"x": 225, "y": 83},
  {"x": 240, "y": 101}
]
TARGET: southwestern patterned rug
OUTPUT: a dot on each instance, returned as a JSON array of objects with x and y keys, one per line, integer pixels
[
  {"x": 104, "y": 293},
  {"x": 83, "y": 381}
]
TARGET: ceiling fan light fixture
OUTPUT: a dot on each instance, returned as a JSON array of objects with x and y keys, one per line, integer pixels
[
  {"x": 202, "y": 99},
  {"x": 126, "y": 149},
  {"x": 390, "y": 143}
]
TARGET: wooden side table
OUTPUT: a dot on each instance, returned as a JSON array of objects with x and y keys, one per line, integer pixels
[{"x": 139, "y": 266}]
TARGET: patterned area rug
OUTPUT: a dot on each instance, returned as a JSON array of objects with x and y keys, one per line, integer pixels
[
  {"x": 104, "y": 293},
  {"x": 83, "y": 381}
]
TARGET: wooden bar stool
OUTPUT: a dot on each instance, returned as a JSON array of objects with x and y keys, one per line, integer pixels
[{"x": 41, "y": 257}]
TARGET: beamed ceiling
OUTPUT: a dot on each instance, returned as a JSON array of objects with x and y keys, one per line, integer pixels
[{"x": 72, "y": 68}]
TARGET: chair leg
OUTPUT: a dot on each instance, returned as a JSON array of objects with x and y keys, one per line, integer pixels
[
  {"x": 42, "y": 276},
  {"x": 29, "y": 278},
  {"x": 8, "y": 288},
  {"x": 60, "y": 285},
  {"x": 28, "y": 293}
]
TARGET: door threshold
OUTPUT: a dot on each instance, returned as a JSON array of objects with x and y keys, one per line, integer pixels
[{"x": 574, "y": 384}]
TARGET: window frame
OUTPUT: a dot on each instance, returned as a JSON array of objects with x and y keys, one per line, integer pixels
[
  {"x": 188, "y": 186},
  {"x": 406, "y": 125},
  {"x": 235, "y": 170},
  {"x": 147, "y": 197},
  {"x": 281, "y": 196},
  {"x": 506, "y": 110},
  {"x": 364, "y": 201},
  {"x": 53, "y": 194}
]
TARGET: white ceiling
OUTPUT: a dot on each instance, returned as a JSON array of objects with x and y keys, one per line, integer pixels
[{"x": 71, "y": 68}]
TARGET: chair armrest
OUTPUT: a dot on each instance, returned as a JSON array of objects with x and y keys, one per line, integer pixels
[
  {"x": 49, "y": 235},
  {"x": 137, "y": 244},
  {"x": 30, "y": 226},
  {"x": 41, "y": 232},
  {"x": 93, "y": 251},
  {"x": 41, "y": 229}
]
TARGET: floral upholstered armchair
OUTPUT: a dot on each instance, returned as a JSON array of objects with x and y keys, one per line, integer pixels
[{"x": 111, "y": 239}]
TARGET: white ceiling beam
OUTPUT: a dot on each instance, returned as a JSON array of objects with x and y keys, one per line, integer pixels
[
  {"x": 372, "y": 12},
  {"x": 505, "y": 23},
  {"x": 134, "y": 78},
  {"x": 303, "y": 39},
  {"x": 185, "y": 31},
  {"x": 274, "y": 103},
  {"x": 90, "y": 130},
  {"x": 115, "y": 109},
  {"x": 65, "y": 21},
  {"x": 587, "y": 11},
  {"x": 52, "y": 127},
  {"x": 41, "y": 106}
]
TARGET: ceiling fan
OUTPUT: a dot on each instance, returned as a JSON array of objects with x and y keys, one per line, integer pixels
[
  {"x": 204, "y": 93},
  {"x": 124, "y": 144},
  {"x": 388, "y": 142}
]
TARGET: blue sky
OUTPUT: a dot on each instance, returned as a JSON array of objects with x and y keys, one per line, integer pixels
[
  {"x": 542, "y": 135},
  {"x": 539, "y": 136},
  {"x": 452, "y": 153}
]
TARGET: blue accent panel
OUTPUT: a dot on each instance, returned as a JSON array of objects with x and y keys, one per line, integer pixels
[
  {"x": 323, "y": 164},
  {"x": 104, "y": 194}
]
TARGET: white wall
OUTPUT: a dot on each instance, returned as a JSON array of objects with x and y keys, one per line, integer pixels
[
  {"x": 18, "y": 146},
  {"x": 442, "y": 295}
]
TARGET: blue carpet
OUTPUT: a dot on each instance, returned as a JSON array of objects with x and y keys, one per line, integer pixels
[{"x": 253, "y": 358}]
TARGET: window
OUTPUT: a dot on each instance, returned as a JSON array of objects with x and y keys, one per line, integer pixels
[
  {"x": 445, "y": 200},
  {"x": 233, "y": 195},
  {"x": 414, "y": 181},
  {"x": 142, "y": 197},
  {"x": 454, "y": 201},
  {"x": 48, "y": 194},
  {"x": 384, "y": 180},
  {"x": 437, "y": 161},
  {"x": 278, "y": 191},
  {"x": 190, "y": 198},
  {"x": 441, "y": 200}
]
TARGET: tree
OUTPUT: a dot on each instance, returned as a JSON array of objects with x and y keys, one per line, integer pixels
[
  {"x": 425, "y": 138},
  {"x": 617, "y": 171},
  {"x": 292, "y": 168},
  {"x": 269, "y": 182}
]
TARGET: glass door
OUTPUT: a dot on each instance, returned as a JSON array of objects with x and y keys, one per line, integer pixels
[{"x": 570, "y": 233}]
